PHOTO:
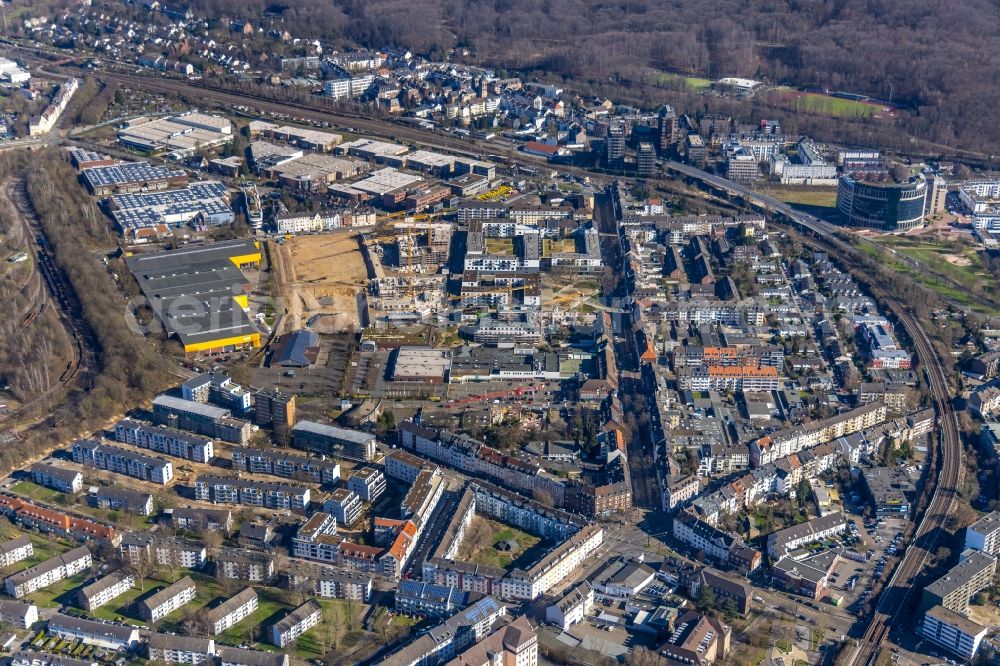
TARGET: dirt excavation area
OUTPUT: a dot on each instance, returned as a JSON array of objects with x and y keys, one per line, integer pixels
[{"x": 318, "y": 279}]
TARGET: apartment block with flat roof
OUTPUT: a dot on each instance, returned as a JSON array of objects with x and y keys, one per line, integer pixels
[
  {"x": 320, "y": 438},
  {"x": 984, "y": 534},
  {"x": 955, "y": 588}
]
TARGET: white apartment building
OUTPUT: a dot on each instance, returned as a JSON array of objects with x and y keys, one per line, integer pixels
[
  {"x": 233, "y": 610},
  {"x": 286, "y": 630},
  {"x": 18, "y": 614},
  {"x": 573, "y": 607},
  {"x": 368, "y": 483},
  {"x": 345, "y": 506},
  {"x": 317, "y": 540},
  {"x": 105, "y": 590},
  {"x": 48, "y": 572},
  {"x": 956, "y": 633},
  {"x": 297, "y": 223},
  {"x": 984, "y": 534},
  {"x": 167, "y": 600},
  {"x": 15, "y": 550}
]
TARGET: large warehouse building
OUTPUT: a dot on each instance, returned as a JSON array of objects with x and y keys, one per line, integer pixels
[{"x": 200, "y": 295}]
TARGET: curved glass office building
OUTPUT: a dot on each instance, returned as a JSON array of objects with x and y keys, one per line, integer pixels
[{"x": 883, "y": 206}]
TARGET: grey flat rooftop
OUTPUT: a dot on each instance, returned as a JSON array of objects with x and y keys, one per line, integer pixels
[{"x": 344, "y": 434}]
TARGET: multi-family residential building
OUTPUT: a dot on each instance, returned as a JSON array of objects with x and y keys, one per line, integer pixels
[
  {"x": 220, "y": 520},
  {"x": 576, "y": 543},
  {"x": 48, "y": 572},
  {"x": 105, "y": 589},
  {"x": 274, "y": 408},
  {"x": 237, "y": 564},
  {"x": 329, "y": 582},
  {"x": 953, "y": 631},
  {"x": 701, "y": 536},
  {"x": 219, "y": 388},
  {"x": 771, "y": 447},
  {"x": 199, "y": 418},
  {"x": 58, "y": 478},
  {"x": 233, "y": 610},
  {"x": 18, "y": 614},
  {"x": 965, "y": 579},
  {"x": 172, "y": 649},
  {"x": 572, "y": 607},
  {"x": 165, "y": 551},
  {"x": 344, "y": 505},
  {"x": 724, "y": 587},
  {"x": 123, "y": 499},
  {"x": 697, "y": 639},
  {"x": 783, "y": 541},
  {"x": 236, "y": 490},
  {"x": 368, "y": 483},
  {"x": 984, "y": 534},
  {"x": 288, "y": 629},
  {"x": 316, "y": 539},
  {"x": 32, "y": 658},
  {"x": 168, "y": 441},
  {"x": 15, "y": 550},
  {"x": 420, "y": 598},
  {"x": 514, "y": 644},
  {"x": 122, "y": 461},
  {"x": 422, "y": 497},
  {"x": 808, "y": 576},
  {"x": 320, "y": 438},
  {"x": 302, "y": 468},
  {"x": 443, "y": 642},
  {"x": 167, "y": 600},
  {"x": 49, "y": 520},
  {"x": 100, "y": 634},
  {"x": 404, "y": 466}
]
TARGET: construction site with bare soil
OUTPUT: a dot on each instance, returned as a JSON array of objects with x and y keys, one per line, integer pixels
[{"x": 319, "y": 281}]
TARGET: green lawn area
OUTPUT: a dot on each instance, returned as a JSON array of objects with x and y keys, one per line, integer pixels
[
  {"x": 927, "y": 279},
  {"x": 34, "y": 491},
  {"x": 487, "y": 553},
  {"x": 834, "y": 106},
  {"x": 825, "y": 197},
  {"x": 499, "y": 246},
  {"x": 821, "y": 104},
  {"x": 965, "y": 264},
  {"x": 693, "y": 83}
]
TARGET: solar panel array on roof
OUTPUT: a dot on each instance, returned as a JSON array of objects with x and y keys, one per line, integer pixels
[
  {"x": 208, "y": 199},
  {"x": 129, "y": 172}
]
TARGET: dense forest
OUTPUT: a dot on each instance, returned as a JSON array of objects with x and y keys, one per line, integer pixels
[{"x": 938, "y": 58}]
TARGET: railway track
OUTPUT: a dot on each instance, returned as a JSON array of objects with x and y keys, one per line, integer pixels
[{"x": 79, "y": 371}]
